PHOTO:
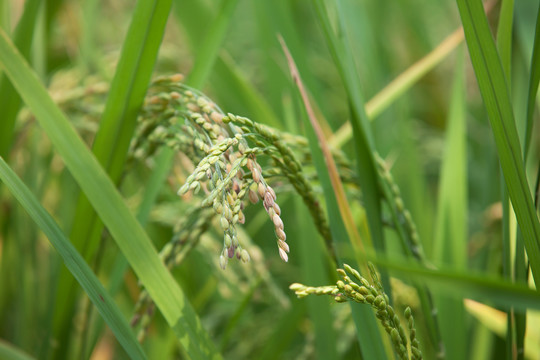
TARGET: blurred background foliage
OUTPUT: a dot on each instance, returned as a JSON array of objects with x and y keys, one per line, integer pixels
[{"x": 247, "y": 309}]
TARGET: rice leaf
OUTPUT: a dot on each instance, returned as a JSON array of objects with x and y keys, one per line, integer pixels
[
  {"x": 128, "y": 88},
  {"x": 331, "y": 168},
  {"x": 516, "y": 322},
  {"x": 74, "y": 262},
  {"x": 10, "y": 352},
  {"x": 314, "y": 262},
  {"x": 124, "y": 228},
  {"x": 493, "y": 87},
  {"x": 208, "y": 51},
  {"x": 451, "y": 227},
  {"x": 465, "y": 284},
  {"x": 364, "y": 144},
  {"x": 343, "y": 232},
  {"x": 151, "y": 192},
  {"x": 504, "y": 35},
  {"x": 126, "y": 96},
  {"x": 496, "y": 321},
  {"x": 533, "y": 85},
  {"x": 10, "y": 101}
]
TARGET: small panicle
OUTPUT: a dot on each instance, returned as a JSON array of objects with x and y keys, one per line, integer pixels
[{"x": 373, "y": 295}]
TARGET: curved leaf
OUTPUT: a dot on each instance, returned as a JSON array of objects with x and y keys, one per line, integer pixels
[
  {"x": 74, "y": 262},
  {"x": 124, "y": 228}
]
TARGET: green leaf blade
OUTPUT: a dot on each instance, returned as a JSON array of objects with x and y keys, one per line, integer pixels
[
  {"x": 534, "y": 80},
  {"x": 10, "y": 101},
  {"x": 494, "y": 90},
  {"x": 339, "y": 216},
  {"x": 74, "y": 262},
  {"x": 451, "y": 227},
  {"x": 127, "y": 232}
]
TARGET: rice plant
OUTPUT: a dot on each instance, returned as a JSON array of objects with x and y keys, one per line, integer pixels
[{"x": 269, "y": 180}]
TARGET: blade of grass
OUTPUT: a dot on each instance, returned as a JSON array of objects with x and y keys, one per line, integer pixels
[
  {"x": 451, "y": 233},
  {"x": 89, "y": 52},
  {"x": 465, "y": 284},
  {"x": 516, "y": 322},
  {"x": 151, "y": 192},
  {"x": 493, "y": 87},
  {"x": 207, "y": 53},
  {"x": 495, "y": 320},
  {"x": 492, "y": 318},
  {"x": 128, "y": 88},
  {"x": 331, "y": 167},
  {"x": 235, "y": 316},
  {"x": 124, "y": 228},
  {"x": 364, "y": 144},
  {"x": 533, "y": 85},
  {"x": 74, "y": 262},
  {"x": 451, "y": 228},
  {"x": 504, "y": 35},
  {"x": 27, "y": 245},
  {"x": 4, "y": 15},
  {"x": 521, "y": 271},
  {"x": 342, "y": 224},
  {"x": 126, "y": 96},
  {"x": 39, "y": 44},
  {"x": 10, "y": 101},
  {"x": 10, "y": 352},
  {"x": 191, "y": 14},
  {"x": 507, "y": 259},
  {"x": 285, "y": 327},
  {"x": 139, "y": 53},
  {"x": 314, "y": 261}
]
